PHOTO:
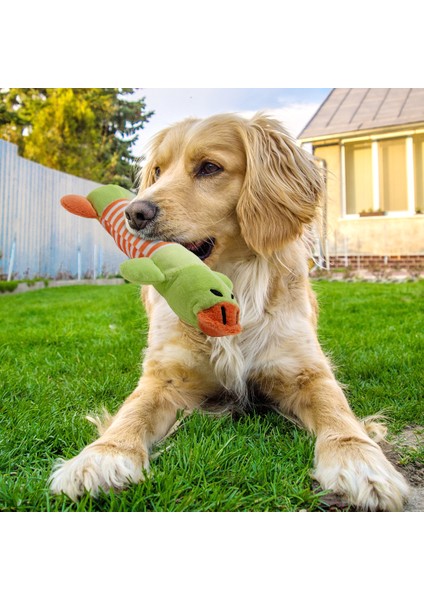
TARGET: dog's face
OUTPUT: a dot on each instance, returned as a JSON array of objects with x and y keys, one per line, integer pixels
[
  {"x": 192, "y": 184},
  {"x": 212, "y": 181}
]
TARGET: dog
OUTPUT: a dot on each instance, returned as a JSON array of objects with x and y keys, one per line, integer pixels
[{"x": 242, "y": 195}]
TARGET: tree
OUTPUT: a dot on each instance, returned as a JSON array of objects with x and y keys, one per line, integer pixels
[{"x": 87, "y": 132}]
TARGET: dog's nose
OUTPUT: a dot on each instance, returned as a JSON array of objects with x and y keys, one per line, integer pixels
[{"x": 140, "y": 213}]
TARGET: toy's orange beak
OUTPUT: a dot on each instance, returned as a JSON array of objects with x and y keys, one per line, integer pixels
[
  {"x": 78, "y": 205},
  {"x": 219, "y": 320}
]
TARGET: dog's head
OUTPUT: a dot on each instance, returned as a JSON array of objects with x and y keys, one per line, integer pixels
[{"x": 210, "y": 181}]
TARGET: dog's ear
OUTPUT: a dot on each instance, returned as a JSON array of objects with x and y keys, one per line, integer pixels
[
  {"x": 146, "y": 174},
  {"x": 282, "y": 186}
]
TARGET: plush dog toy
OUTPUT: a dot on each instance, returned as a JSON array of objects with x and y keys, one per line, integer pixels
[{"x": 199, "y": 296}]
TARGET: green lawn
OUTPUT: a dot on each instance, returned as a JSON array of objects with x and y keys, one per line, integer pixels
[{"x": 66, "y": 352}]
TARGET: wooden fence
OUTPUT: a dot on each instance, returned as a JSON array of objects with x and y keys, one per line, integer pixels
[{"x": 37, "y": 236}]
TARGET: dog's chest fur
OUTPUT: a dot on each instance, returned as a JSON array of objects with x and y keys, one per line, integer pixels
[{"x": 233, "y": 358}]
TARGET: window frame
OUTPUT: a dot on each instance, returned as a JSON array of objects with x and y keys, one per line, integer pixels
[{"x": 410, "y": 173}]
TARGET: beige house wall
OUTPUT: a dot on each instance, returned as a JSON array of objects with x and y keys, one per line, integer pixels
[
  {"x": 331, "y": 157},
  {"x": 383, "y": 236}
]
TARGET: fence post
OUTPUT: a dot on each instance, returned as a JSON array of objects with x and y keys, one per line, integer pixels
[
  {"x": 100, "y": 265},
  {"x": 94, "y": 261},
  {"x": 11, "y": 259},
  {"x": 79, "y": 263}
]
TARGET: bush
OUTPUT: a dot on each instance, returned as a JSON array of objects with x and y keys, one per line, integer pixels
[{"x": 8, "y": 286}]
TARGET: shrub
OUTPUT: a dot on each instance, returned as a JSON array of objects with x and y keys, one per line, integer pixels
[{"x": 8, "y": 286}]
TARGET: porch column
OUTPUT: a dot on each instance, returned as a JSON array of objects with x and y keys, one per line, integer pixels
[
  {"x": 343, "y": 208},
  {"x": 375, "y": 176}
]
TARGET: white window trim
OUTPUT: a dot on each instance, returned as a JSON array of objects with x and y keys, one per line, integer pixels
[
  {"x": 343, "y": 182},
  {"x": 375, "y": 170},
  {"x": 410, "y": 175}
]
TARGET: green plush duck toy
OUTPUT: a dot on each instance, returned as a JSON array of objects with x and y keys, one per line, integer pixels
[{"x": 199, "y": 296}]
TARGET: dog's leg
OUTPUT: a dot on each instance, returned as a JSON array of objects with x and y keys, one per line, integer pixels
[
  {"x": 119, "y": 456},
  {"x": 347, "y": 460}
]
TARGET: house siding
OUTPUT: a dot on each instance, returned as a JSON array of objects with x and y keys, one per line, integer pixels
[{"x": 383, "y": 236}]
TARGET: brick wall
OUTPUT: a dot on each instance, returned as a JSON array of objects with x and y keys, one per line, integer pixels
[{"x": 371, "y": 262}]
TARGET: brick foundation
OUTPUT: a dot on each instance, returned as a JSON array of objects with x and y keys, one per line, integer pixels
[{"x": 375, "y": 263}]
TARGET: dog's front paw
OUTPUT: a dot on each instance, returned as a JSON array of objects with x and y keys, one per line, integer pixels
[
  {"x": 358, "y": 470},
  {"x": 96, "y": 467}
]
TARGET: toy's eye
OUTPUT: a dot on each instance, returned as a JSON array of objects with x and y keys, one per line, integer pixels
[
  {"x": 157, "y": 172},
  {"x": 216, "y": 293}
]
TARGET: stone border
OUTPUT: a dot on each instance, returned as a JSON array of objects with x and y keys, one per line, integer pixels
[{"x": 383, "y": 276}]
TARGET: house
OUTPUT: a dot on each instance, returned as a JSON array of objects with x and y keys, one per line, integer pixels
[{"x": 370, "y": 142}]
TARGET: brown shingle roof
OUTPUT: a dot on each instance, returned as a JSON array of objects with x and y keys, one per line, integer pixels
[{"x": 355, "y": 109}]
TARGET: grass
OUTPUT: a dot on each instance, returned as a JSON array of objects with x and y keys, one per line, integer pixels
[
  {"x": 66, "y": 352},
  {"x": 374, "y": 334}
]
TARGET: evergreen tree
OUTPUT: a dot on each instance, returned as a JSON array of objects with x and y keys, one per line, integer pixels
[{"x": 87, "y": 132}]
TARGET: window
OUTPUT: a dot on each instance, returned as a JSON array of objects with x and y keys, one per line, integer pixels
[
  {"x": 358, "y": 170},
  {"x": 385, "y": 174},
  {"x": 392, "y": 175}
]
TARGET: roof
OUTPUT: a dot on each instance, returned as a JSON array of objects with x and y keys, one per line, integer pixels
[{"x": 356, "y": 109}]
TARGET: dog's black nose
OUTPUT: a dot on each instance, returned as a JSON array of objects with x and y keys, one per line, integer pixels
[{"x": 140, "y": 213}]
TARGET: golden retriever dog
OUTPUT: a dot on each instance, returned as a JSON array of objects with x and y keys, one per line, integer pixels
[{"x": 241, "y": 194}]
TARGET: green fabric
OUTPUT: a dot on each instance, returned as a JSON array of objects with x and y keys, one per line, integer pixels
[
  {"x": 136, "y": 269},
  {"x": 175, "y": 257},
  {"x": 101, "y": 197},
  {"x": 187, "y": 281}
]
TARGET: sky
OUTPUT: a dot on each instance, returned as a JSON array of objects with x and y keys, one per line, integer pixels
[{"x": 292, "y": 106}]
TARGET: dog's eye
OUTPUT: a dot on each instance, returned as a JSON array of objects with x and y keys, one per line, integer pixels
[
  {"x": 157, "y": 172},
  {"x": 208, "y": 168}
]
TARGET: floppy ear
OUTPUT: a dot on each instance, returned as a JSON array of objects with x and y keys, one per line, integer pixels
[
  {"x": 146, "y": 175},
  {"x": 282, "y": 186}
]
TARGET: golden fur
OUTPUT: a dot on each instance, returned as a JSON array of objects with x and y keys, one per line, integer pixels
[{"x": 257, "y": 208}]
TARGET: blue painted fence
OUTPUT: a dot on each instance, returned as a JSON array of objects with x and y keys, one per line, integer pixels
[{"x": 40, "y": 238}]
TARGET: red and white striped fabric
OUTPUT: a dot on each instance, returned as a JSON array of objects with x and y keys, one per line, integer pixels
[{"x": 113, "y": 220}]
